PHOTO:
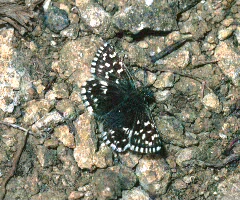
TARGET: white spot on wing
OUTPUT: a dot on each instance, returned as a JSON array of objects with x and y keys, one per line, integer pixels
[
  {"x": 126, "y": 147},
  {"x": 107, "y": 64},
  {"x": 104, "y": 134},
  {"x": 106, "y": 76},
  {"x": 86, "y": 104},
  {"x": 104, "y": 83},
  {"x": 119, "y": 149},
  {"x": 113, "y": 146},
  {"x": 113, "y": 55},
  {"x": 83, "y": 91},
  {"x": 146, "y": 123},
  {"x": 90, "y": 109},
  {"x": 120, "y": 70},
  {"x": 136, "y": 133},
  {"x": 104, "y": 91},
  {"x": 158, "y": 148},
  {"x": 93, "y": 70}
]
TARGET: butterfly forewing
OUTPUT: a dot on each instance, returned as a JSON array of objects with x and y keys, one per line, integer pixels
[
  {"x": 111, "y": 95},
  {"x": 107, "y": 65}
]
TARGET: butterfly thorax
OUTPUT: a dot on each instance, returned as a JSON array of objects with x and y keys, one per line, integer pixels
[{"x": 132, "y": 98}]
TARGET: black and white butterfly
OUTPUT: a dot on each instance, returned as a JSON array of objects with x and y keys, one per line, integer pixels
[{"x": 119, "y": 105}]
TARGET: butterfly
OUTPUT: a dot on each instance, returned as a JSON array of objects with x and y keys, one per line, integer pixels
[{"x": 120, "y": 105}]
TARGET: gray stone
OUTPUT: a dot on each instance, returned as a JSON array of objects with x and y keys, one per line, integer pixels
[
  {"x": 129, "y": 159},
  {"x": 154, "y": 175},
  {"x": 135, "y": 194},
  {"x": 186, "y": 156},
  {"x": 171, "y": 130},
  {"x": 149, "y": 77},
  {"x": 85, "y": 153},
  {"x": 161, "y": 96},
  {"x": 225, "y": 33},
  {"x": 164, "y": 80},
  {"x": 34, "y": 110},
  {"x": 108, "y": 183},
  {"x": 229, "y": 188},
  {"x": 179, "y": 184},
  {"x": 50, "y": 194},
  {"x": 158, "y": 16},
  {"x": 10, "y": 78},
  {"x": 67, "y": 108},
  {"x": 65, "y": 136},
  {"x": 228, "y": 61},
  {"x": 237, "y": 34},
  {"x": 47, "y": 122},
  {"x": 178, "y": 59},
  {"x": 96, "y": 18},
  {"x": 59, "y": 91},
  {"x": 211, "y": 102},
  {"x": 71, "y": 31},
  {"x": 56, "y": 19},
  {"x": 46, "y": 157}
]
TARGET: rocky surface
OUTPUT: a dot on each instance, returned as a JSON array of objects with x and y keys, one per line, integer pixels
[
  {"x": 153, "y": 15},
  {"x": 196, "y": 109}
]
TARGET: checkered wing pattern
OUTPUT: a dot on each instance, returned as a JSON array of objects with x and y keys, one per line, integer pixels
[{"x": 118, "y": 105}]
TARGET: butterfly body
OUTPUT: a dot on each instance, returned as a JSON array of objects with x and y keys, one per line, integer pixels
[{"x": 121, "y": 107}]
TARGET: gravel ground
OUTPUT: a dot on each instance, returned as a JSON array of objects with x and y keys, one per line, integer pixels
[{"x": 196, "y": 110}]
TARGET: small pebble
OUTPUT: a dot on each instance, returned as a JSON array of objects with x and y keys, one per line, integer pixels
[
  {"x": 143, "y": 44},
  {"x": 211, "y": 102},
  {"x": 225, "y": 33},
  {"x": 227, "y": 22},
  {"x": 56, "y": 19}
]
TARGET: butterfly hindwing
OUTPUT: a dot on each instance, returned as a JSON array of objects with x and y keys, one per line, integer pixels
[
  {"x": 145, "y": 137},
  {"x": 117, "y": 139}
]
